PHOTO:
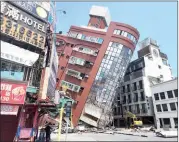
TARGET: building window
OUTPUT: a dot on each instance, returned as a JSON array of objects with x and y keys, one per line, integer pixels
[
  {"x": 164, "y": 106},
  {"x": 156, "y": 96},
  {"x": 5, "y": 66},
  {"x": 73, "y": 73},
  {"x": 166, "y": 122},
  {"x": 142, "y": 96},
  {"x": 129, "y": 99},
  {"x": 75, "y": 60},
  {"x": 140, "y": 84},
  {"x": 162, "y": 95},
  {"x": 135, "y": 97},
  {"x": 128, "y": 88},
  {"x": 144, "y": 110},
  {"x": 137, "y": 109},
  {"x": 123, "y": 89},
  {"x": 70, "y": 86},
  {"x": 172, "y": 106},
  {"x": 124, "y": 100},
  {"x": 117, "y": 32},
  {"x": 135, "y": 86},
  {"x": 100, "y": 40},
  {"x": 176, "y": 122},
  {"x": 159, "y": 109},
  {"x": 164, "y": 62},
  {"x": 176, "y": 93},
  {"x": 130, "y": 109},
  {"x": 161, "y": 124},
  {"x": 170, "y": 94}
]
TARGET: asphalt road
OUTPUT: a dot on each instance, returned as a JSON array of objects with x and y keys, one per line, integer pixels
[{"x": 111, "y": 137}]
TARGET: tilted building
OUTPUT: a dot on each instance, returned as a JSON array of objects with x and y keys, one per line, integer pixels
[{"x": 93, "y": 59}]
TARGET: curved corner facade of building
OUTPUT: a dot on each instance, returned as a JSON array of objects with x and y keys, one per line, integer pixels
[
  {"x": 96, "y": 84},
  {"x": 114, "y": 56}
]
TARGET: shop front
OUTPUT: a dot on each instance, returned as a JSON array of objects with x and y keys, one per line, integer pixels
[{"x": 11, "y": 101}]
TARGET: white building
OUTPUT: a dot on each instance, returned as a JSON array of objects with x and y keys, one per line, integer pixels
[
  {"x": 134, "y": 93},
  {"x": 165, "y": 101}
]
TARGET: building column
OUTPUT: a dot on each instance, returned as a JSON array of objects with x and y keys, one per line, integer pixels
[{"x": 172, "y": 123}]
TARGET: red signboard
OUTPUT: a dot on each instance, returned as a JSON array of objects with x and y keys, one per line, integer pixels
[{"x": 13, "y": 93}]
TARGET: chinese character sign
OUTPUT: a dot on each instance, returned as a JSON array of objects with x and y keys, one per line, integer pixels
[{"x": 12, "y": 93}]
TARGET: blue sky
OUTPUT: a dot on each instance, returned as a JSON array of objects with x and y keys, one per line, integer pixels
[{"x": 152, "y": 19}]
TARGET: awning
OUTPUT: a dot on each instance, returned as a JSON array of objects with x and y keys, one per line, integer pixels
[
  {"x": 9, "y": 109},
  {"x": 46, "y": 119},
  {"x": 17, "y": 54}
]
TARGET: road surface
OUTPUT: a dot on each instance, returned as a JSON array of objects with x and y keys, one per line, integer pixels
[{"x": 110, "y": 137}]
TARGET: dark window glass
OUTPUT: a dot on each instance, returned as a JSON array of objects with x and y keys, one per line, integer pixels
[
  {"x": 176, "y": 122},
  {"x": 164, "y": 106},
  {"x": 161, "y": 124},
  {"x": 170, "y": 94},
  {"x": 156, "y": 96},
  {"x": 124, "y": 100},
  {"x": 5, "y": 66},
  {"x": 141, "y": 84},
  {"x": 176, "y": 92},
  {"x": 137, "y": 109},
  {"x": 159, "y": 109},
  {"x": 144, "y": 110},
  {"x": 130, "y": 109},
  {"x": 142, "y": 97},
  {"x": 166, "y": 121},
  {"x": 172, "y": 106},
  {"x": 135, "y": 97},
  {"x": 123, "y": 89},
  {"x": 129, "y": 98},
  {"x": 128, "y": 88},
  {"x": 135, "y": 86},
  {"x": 162, "y": 95}
]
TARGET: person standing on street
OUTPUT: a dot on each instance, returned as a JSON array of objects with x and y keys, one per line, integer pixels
[{"x": 48, "y": 132}]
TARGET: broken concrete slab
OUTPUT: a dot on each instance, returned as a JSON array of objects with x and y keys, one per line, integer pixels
[{"x": 167, "y": 134}]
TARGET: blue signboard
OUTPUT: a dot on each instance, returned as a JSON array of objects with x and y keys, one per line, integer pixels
[{"x": 32, "y": 8}]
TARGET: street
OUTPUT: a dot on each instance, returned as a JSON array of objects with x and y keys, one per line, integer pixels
[{"x": 111, "y": 137}]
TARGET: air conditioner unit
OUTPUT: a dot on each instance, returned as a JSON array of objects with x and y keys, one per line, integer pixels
[
  {"x": 91, "y": 63},
  {"x": 95, "y": 54},
  {"x": 86, "y": 75},
  {"x": 80, "y": 78},
  {"x": 75, "y": 49}
]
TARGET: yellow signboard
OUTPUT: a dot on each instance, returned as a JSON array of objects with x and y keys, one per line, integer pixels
[{"x": 22, "y": 33}]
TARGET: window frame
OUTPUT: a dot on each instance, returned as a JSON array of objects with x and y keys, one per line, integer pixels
[
  {"x": 170, "y": 94},
  {"x": 175, "y": 108},
  {"x": 164, "y": 110}
]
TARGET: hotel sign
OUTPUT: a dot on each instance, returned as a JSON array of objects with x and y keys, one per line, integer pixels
[
  {"x": 33, "y": 8},
  {"x": 22, "y": 26}
]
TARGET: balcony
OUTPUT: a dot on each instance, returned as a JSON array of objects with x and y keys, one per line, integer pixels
[{"x": 86, "y": 57}]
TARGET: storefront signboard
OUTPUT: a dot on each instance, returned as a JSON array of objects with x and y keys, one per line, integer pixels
[
  {"x": 33, "y": 8},
  {"x": 22, "y": 26},
  {"x": 12, "y": 93},
  {"x": 9, "y": 109}
]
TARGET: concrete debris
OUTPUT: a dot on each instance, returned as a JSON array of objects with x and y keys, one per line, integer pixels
[{"x": 167, "y": 134}]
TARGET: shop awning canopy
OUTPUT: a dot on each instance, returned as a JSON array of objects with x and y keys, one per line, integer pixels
[{"x": 17, "y": 54}]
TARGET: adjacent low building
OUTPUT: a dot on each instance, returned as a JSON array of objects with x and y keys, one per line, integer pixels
[
  {"x": 165, "y": 101},
  {"x": 134, "y": 92}
]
